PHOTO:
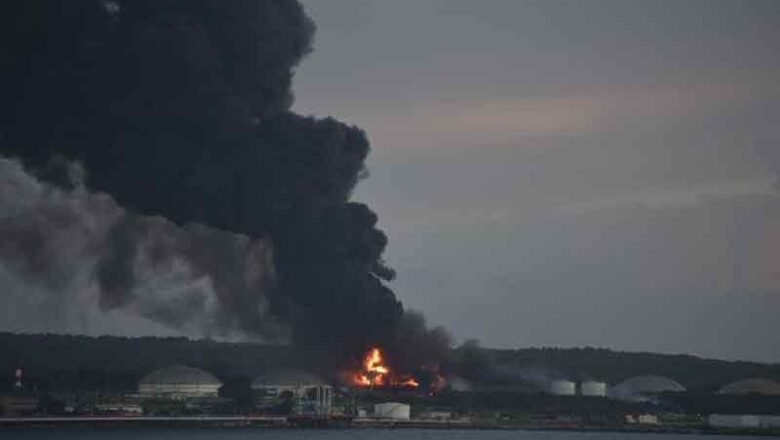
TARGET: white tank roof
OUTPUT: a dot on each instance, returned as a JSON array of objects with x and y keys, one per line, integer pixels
[
  {"x": 752, "y": 386},
  {"x": 180, "y": 374},
  {"x": 645, "y": 385}
]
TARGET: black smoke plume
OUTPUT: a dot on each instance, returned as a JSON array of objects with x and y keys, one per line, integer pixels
[{"x": 180, "y": 109}]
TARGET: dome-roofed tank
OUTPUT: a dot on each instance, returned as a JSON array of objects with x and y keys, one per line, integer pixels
[
  {"x": 752, "y": 386},
  {"x": 179, "y": 381},
  {"x": 645, "y": 387}
]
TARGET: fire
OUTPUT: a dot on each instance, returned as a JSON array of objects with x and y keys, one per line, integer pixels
[
  {"x": 411, "y": 383},
  {"x": 376, "y": 373},
  {"x": 373, "y": 363}
]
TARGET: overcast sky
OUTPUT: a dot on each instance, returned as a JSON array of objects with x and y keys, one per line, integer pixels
[
  {"x": 549, "y": 173},
  {"x": 568, "y": 173}
]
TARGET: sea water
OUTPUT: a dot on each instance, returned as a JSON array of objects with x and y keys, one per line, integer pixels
[{"x": 74, "y": 433}]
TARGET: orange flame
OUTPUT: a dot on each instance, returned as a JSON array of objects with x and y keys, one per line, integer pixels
[
  {"x": 373, "y": 362},
  {"x": 411, "y": 383},
  {"x": 376, "y": 373}
]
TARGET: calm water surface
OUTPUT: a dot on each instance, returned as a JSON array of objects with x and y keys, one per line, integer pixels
[{"x": 351, "y": 434}]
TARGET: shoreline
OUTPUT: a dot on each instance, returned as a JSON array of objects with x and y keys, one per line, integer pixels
[{"x": 279, "y": 422}]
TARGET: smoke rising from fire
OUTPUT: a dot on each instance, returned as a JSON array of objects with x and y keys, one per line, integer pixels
[
  {"x": 180, "y": 110},
  {"x": 84, "y": 250}
]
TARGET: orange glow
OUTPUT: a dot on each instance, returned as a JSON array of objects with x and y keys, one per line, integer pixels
[
  {"x": 376, "y": 373},
  {"x": 362, "y": 380},
  {"x": 411, "y": 383}
]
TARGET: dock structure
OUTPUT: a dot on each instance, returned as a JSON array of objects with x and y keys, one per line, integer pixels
[{"x": 226, "y": 421}]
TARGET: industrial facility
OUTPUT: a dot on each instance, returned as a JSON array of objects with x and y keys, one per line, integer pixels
[
  {"x": 508, "y": 392},
  {"x": 308, "y": 393}
]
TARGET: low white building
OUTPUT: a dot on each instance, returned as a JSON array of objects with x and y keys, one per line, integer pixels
[
  {"x": 179, "y": 382},
  {"x": 120, "y": 408},
  {"x": 642, "y": 419}
]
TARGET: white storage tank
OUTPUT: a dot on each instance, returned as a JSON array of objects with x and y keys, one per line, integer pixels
[
  {"x": 392, "y": 410},
  {"x": 563, "y": 388},
  {"x": 593, "y": 388}
]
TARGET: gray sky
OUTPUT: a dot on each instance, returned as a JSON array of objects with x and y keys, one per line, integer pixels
[{"x": 568, "y": 172}]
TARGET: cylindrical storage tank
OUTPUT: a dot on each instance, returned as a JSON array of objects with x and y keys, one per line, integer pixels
[
  {"x": 593, "y": 388},
  {"x": 392, "y": 410},
  {"x": 563, "y": 388}
]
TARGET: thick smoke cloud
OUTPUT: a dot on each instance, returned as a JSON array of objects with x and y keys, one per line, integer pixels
[
  {"x": 71, "y": 243},
  {"x": 180, "y": 110}
]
